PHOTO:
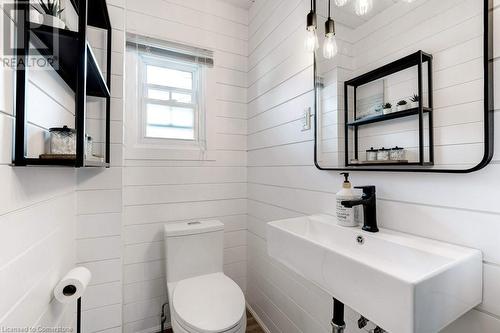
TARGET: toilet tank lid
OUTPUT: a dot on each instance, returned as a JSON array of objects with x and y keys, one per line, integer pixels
[{"x": 192, "y": 228}]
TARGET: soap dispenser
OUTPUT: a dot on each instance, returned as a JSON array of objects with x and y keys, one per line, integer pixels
[{"x": 346, "y": 216}]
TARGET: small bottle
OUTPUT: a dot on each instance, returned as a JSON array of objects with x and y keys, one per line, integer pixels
[{"x": 346, "y": 216}]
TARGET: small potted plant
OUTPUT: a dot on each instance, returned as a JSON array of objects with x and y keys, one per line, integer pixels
[
  {"x": 387, "y": 108},
  {"x": 402, "y": 105},
  {"x": 51, "y": 11},
  {"x": 415, "y": 99}
]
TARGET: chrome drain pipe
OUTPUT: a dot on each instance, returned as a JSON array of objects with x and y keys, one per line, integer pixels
[{"x": 338, "y": 323}]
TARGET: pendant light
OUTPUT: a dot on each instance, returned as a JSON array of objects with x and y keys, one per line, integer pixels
[
  {"x": 311, "y": 42},
  {"x": 330, "y": 48},
  {"x": 363, "y": 7}
]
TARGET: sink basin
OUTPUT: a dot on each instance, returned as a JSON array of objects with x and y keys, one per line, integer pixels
[{"x": 403, "y": 283}]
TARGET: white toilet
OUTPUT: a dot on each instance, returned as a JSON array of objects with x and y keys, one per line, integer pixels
[{"x": 202, "y": 299}]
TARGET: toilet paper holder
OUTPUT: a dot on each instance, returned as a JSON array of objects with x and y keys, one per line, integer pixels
[
  {"x": 70, "y": 290},
  {"x": 78, "y": 314},
  {"x": 72, "y": 287}
]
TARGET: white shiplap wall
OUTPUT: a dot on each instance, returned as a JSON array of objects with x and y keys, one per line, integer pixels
[
  {"x": 283, "y": 182},
  {"x": 164, "y": 191},
  {"x": 99, "y": 194},
  {"x": 37, "y": 209}
]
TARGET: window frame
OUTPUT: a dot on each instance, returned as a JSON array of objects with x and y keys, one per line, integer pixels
[{"x": 197, "y": 96}]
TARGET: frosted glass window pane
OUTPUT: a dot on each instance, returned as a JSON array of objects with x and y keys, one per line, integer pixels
[
  {"x": 169, "y": 133},
  {"x": 169, "y": 77},
  {"x": 169, "y": 122}
]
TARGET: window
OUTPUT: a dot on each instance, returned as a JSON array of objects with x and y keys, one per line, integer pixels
[
  {"x": 170, "y": 96},
  {"x": 170, "y": 101}
]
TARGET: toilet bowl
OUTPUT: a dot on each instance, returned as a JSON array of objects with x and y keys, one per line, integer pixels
[{"x": 202, "y": 299}]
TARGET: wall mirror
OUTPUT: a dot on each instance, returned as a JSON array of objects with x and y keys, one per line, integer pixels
[{"x": 409, "y": 89}]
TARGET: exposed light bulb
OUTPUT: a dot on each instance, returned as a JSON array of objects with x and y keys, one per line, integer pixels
[
  {"x": 363, "y": 7},
  {"x": 311, "y": 42},
  {"x": 341, "y": 3},
  {"x": 330, "y": 47}
]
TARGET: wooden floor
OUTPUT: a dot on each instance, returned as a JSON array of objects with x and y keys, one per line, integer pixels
[{"x": 252, "y": 325}]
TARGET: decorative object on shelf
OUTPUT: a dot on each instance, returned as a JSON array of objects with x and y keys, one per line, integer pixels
[
  {"x": 383, "y": 154},
  {"x": 402, "y": 106},
  {"x": 330, "y": 47},
  {"x": 62, "y": 141},
  {"x": 387, "y": 108},
  {"x": 397, "y": 154},
  {"x": 311, "y": 42},
  {"x": 51, "y": 11},
  {"x": 57, "y": 157},
  {"x": 371, "y": 154},
  {"x": 35, "y": 16},
  {"x": 414, "y": 101}
]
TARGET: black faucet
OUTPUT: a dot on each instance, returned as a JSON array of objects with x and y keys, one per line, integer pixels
[{"x": 369, "y": 202}]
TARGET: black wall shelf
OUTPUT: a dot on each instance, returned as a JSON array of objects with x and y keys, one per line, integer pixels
[
  {"x": 67, "y": 47},
  {"x": 389, "y": 116},
  {"x": 76, "y": 64},
  {"x": 416, "y": 59}
]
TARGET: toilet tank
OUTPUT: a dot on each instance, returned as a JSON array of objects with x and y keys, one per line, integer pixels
[{"x": 193, "y": 249}]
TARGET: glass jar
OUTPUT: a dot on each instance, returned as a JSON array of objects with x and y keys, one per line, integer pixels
[
  {"x": 397, "y": 154},
  {"x": 371, "y": 155},
  {"x": 383, "y": 154},
  {"x": 62, "y": 140}
]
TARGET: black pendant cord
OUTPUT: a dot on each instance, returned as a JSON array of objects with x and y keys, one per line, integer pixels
[{"x": 329, "y": 9}]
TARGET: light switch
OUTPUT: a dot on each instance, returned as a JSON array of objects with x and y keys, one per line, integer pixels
[{"x": 306, "y": 120}]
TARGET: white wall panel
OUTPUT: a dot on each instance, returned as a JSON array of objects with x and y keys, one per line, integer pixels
[
  {"x": 166, "y": 191},
  {"x": 283, "y": 181}
]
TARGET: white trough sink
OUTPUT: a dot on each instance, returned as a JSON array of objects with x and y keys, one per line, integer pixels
[{"x": 403, "y": 283}]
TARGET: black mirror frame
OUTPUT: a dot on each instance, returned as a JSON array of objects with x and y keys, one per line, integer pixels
[{"x": 489, "y": 108}]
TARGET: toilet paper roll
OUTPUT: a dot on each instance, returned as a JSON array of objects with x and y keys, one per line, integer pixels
[{"x": 73, "y": 285}]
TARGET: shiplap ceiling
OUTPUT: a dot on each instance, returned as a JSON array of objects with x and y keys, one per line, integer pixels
[{"x": 240, "y": 3}]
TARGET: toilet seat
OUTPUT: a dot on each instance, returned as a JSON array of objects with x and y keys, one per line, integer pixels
[{"x": 210, "y": 303}]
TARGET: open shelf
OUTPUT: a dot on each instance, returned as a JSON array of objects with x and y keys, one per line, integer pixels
[
  {"x": 366, "y": 164},
  {"x": 352, "y": 128},
  {"x": 65, "y": 43},
  {"x": 396, "y": 66},
  {"x": 51, "y": 162},
  {"x": 389, "y": 116},
  {"x": 72, "y": 58},
  {"x": 96, "y": 164},
  {"x": 67, "y": 162}
]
